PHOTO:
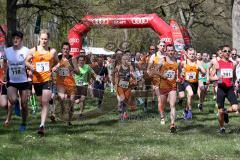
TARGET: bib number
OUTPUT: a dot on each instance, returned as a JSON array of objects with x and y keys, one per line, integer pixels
[
  {"x": 227, "y": 73},
  {"x": 80, "y": 83},
  {"x": 15, "y": 71},
  {"x": 191, "y": 76},
  {"x": 42, "y": 66},
  {"x": 170, "y": 74},
  {"x": 63, "y": 72},
  {"x": 138, "y": 75},
  {"x": 123, "y": 84}
]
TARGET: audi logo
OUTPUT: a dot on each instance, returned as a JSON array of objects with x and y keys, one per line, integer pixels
[
  {"x": 166, "y": 39},
  {"x": 139, "y": 21},
  {"x": 74, "y": 50},
  {"x": 74, "y": 40},
  {"x": 100, "y": 21}
]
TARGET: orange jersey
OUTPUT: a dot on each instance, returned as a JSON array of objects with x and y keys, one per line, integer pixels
[
  {"x": 3, "y": 70},
  {"x": 64, "y": 75},
  {"x": 170, "y": 71},
  {"x": 191, "y": 73},
  {"x": 2, "y": 73},
  {"x": 42, "y": 66}
]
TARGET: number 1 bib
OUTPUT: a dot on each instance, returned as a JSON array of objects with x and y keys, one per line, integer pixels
[
  {"x": 63, "y": 72},
  {"x": 42, "y": 66}
]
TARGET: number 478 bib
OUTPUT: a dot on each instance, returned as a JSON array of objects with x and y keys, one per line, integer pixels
[{"x": 42, "y": 66}]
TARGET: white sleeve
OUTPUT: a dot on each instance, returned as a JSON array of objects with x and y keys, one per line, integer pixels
[{"x": 151, "y": 60}]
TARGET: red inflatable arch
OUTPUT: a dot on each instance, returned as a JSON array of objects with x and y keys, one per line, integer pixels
[{"x": 164, "y": 30}]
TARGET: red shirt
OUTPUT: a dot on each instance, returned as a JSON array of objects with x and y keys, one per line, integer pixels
[{"x": 225, "y": 73}]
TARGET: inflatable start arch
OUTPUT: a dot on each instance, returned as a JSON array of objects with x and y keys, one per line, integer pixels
[{"x": 169, "y": 33}]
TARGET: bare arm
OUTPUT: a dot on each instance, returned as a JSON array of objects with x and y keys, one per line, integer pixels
[{"x": 29, "y": 59}]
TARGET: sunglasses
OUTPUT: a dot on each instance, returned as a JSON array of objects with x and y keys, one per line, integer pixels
[
  {"x": 151, "y": 49},
  {"x": 226, "y": 51}
]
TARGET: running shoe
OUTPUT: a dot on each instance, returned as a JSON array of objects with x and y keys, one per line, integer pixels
[
  {"x": 41, "y": 131},
  {"x": 189, "y": 115},
  {"x": 225, "y": 115},
  {"x": 162, "y": 121},
  {"x": 6, "y": 124},
  {"x": 200, "y": 107},
  {"x": 185, "y": 114},
  {"x": 222, "y": 130},
  {"x": 172, "y": 128},
  {"x": 214, "y": 98},
  {"x": 22, "y": 128}
]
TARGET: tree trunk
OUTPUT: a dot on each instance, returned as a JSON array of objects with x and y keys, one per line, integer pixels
[
  {"x": 11, "y": 19},
  {"x": 235, "y": 24}
]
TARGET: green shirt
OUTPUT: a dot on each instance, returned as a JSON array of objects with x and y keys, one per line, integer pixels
[
  {"x": 201, "y": 77},
  {"x": 82, "y": 78}
]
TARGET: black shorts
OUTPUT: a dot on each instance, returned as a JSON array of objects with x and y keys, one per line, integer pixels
[
  {"x": 30, "y": 86},
  {"x": 182, "y": 86},
  {"x": 98, "y": 89},
  {"x": 3, "y": 89},
  {"x": 81, "y": 91},
  {"x": 19, "y": 86},
  {"x": 39, "y": 87},
  {"x": 228, "y": 93}
]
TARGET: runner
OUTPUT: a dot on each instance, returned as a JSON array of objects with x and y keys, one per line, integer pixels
[
  {"x": 190, "y": 83},
  {"x": 17, "y": 81},
  {"x": 83, "y": 73},
  {"x": 109, "y": 66},
  {"x": 43, "y": 59},
  {"x": 168, "y": 85},
  {"x": 124, "y": 78},
  {"x": 98, "y": 85},
  {"x": 3, "y": 88},
  {"x": 153, "y": 70},
  {"x": 234, "y": 57},
  {"x": 65, "y": 82},
  {"x": 225, "y": 72},
  {"x": 142, "y": 65},
  {"x": 202, "y": 81}
]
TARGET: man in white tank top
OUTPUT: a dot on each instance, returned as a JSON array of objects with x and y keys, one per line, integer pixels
[{"x": 17, "y": 81}]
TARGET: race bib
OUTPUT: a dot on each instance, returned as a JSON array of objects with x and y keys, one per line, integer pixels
[
  {"x": 63, "y": 72},
  {"x": 138, "y": 75},
  {"x": 42, "y": 66},
  {"x": 123, "y": 84},
  {"x": 227, "y": 73},
  {"x": 16, "y": 70},
  {"x": 80, "y": 83},
  {"x": 170, "y": 74},
  {"x": 190, "y": 75}
]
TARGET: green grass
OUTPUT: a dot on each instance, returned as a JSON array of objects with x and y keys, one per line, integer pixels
[{"x": 103, "y": 137}]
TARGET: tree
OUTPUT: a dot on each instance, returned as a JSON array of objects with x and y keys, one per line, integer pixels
[
  {"x": 235, "y": 24},
  {"x": 57, "y": 8}
]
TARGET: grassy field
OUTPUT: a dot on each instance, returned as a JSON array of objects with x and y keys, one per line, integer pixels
[{"x": 101, "y": 136}]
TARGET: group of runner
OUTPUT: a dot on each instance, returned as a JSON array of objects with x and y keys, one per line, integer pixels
[{"x": 166, "y": 73}]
